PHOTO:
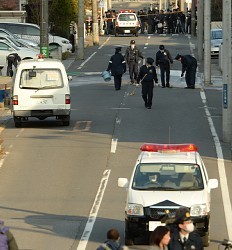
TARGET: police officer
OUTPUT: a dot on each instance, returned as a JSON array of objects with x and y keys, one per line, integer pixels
[
  {"x": 132, "y": 58},
  {"x": 183, "y": 236},
  {"x": 163, "y": 60},
  {"x": 147, "y": 75},
  {"x": 117, "y": 66},
  {"x": 189, "y": 65},
  {"x": 12, "y": 59}
]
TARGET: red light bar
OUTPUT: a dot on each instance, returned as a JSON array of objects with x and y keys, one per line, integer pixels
[{"x": 152, "y": 147}]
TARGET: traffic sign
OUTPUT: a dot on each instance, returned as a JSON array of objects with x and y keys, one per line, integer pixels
[{"x": 101, "y": 4}]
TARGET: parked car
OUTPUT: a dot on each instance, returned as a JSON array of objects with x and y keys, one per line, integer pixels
[
  {"x": 7, "y": 48},
  {"x": 32, "y": 32},
  {"x": 26, "y": 42},
  {"x": 216, "y": 41}
]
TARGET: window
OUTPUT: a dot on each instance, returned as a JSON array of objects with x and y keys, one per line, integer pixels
[
  {"x": 15, "y": 28},
  {"x": 168, "y": 176},
  {"x": 41, "y": 79},
  {"x": 126, "y": 17},
  {"x": 32, "y": 31}
]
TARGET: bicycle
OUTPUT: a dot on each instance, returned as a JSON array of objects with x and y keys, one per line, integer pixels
[{"x": 226, "y": 243}]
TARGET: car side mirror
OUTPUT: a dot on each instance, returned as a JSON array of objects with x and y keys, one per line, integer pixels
[
  {"x": 212, "y": 183},
  {"x": 123, "y": 182}
]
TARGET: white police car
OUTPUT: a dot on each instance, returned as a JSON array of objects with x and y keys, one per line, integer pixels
[{"x": 165, "y": 177}]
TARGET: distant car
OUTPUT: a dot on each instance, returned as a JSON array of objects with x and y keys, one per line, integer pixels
[
  {"x": 216, "y": 41},
  {"x": 7, "y": 48},
  {"x": 127, "y": 23},
  {"x": 18, "y": 39},
  {"x": 32, "y": 32}
]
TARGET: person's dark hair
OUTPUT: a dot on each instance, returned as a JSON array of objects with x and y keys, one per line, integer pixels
[
  {"x": 113, "y": 234},
  {"x": 158, "y": 234}
]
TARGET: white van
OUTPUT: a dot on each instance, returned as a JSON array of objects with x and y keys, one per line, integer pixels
[
  {"x": 41, "y": 90},
  {"x": 31, "y": 31}
]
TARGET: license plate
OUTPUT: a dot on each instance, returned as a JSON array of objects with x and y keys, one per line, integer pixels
[
  {"x": 126, "y": 31},
  {"x": 154, "y": 224},
  {"x": 42, "y": 101}
]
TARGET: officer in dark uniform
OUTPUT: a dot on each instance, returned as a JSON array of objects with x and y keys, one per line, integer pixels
[
  {"x": 163, "y": 60},
  {"x": 147, "y": 75},
  {"x": 117, "y": 66},
  {"x": 132, "y": 58},
  {"x": 183, "y": 236},
  {"x": 12, "y": 59},
  {"x": 189, "y": 65}
]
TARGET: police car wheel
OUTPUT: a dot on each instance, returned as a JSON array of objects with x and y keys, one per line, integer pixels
[{"x": 116, "y": 34}]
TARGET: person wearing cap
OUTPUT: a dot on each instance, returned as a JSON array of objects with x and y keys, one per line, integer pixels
[
  {"x": 189, "y": 67},
  {"x": 132, "y": 56},
  {"x": 7, "y": 240},
  {"x": 117, "y": 66},
  {"x": 183, "y": 236},
  {"x": 163, "y": 60},
  {"x": 147, "y": 75}
]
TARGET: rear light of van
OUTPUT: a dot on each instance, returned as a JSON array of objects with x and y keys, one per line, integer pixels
[
  {"x": 15, "y": 100},
  {"x": 67, "y": 99}
]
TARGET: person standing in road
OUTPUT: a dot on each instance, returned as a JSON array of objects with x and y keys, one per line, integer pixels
[
  {"x": 189, "y": 65},
  {"x": 163, "y": 60},
  {"x": 112, "y": 242},
  {"x": 147, "y": 75},
  {"x": 183, "y": 236},
  {"x": 117, "y": 66},
  {"x": 132, "y": 56},
  {"x": 7, "y": 240},
  {"x": 160, "y": 238}
]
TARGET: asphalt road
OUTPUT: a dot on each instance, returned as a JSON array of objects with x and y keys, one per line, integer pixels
[{"x": 58, "y": 188}]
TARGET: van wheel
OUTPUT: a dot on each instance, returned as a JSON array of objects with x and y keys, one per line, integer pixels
[
  {"x": 137, "y": 34},
  {"x": 206, "y": 240},
  {"x": 66, "y": 120},
  {"x": 116, "y": 34},
  {"x": 129, "y": 241},
  {"x": 17, "y": 122}
]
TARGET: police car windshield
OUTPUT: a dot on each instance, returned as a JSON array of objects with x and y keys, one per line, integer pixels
[
  {"x": 168, "y": 176},
  {"x": 41, "y": 79},
  {"x": 126, "y": 17}
]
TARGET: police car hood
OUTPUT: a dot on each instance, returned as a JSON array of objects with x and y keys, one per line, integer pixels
[{"x": 180, "y": 198}]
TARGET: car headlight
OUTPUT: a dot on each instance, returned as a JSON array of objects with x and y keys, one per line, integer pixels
[
  {"x": 135, "y": 209},
  {"x": 198, "y": 210},
  {"x": 65, "y": 41}
]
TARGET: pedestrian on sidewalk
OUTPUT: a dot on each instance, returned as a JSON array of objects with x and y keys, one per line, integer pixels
[
  {"x": 163, "y": 60},
  {"x": 160, "y": 238},
  {"x": 112, "y": 242},
  {"x": 189, "y": 65},
  {"x": 117, "y": 66},
  {"x": 182, "y": 232},
  {"x": 7, "y": 240},
  {"x": 132, "y": 56},
  {"x": 147, "y": 76}
]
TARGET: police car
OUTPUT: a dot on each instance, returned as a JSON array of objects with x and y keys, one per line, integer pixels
[
  {"x": 127, "y": 23},
  {"x": 166, "y": 177}
]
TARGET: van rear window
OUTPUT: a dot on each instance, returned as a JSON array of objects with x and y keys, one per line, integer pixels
[
  {"x": 126, "y": 17},
  {"x": 41, "y": 79}
]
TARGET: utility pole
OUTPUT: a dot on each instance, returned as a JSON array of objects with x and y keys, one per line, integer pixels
[
  {"x": 227, "y": 73},
  {"x": 95, "y": 23},
  {"x": 44, "y": 47},
  {"x": 193, "y": 18},
  {"x": 81, "y": 30},
  {"x": 200, "y": 31},
  {"x": 207, "y": 42},
  {"x": 109, "y": 5}
]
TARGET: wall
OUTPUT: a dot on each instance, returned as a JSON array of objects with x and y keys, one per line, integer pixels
[{"x": 9, "y": 5}]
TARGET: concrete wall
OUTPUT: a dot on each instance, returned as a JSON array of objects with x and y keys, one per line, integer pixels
[{"x": 9, "y": 5}]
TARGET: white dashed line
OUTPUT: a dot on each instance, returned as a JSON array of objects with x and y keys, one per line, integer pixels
[{"x": 114, "y": 143}]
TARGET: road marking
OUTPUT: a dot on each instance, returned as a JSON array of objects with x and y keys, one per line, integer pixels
[
  {"x": 20, "y": 132},
  {"x": 94, "y": 211},
  {"x": 221, "y": 169},
  {"x": 104, "y": 42},
  {"x": 114, "y": 143},
  {"x": 86, "y": 60}
]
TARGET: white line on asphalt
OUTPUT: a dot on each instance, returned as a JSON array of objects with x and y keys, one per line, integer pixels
[
  {"x": 221, "y": 169},
  {"x": 86, "y": 60},
  {"x": 1, "y": 163},
  {"x": 94, "y": 211},
  {"x": 114, "y": 143},
  {"x": 20, "y": 132},
  {"x": 104, "y": 42}
]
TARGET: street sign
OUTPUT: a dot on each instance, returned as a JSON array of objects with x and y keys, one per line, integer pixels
[
  {"x": 101, "y": 4},
  {"x": 225, "y": 96},
  {"x": 44, "y": 51}
]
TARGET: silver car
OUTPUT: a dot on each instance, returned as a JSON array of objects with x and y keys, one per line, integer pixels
[{"x": 216, "y": 41}]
